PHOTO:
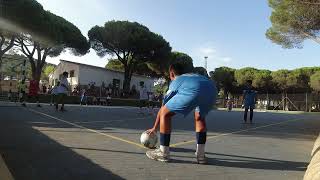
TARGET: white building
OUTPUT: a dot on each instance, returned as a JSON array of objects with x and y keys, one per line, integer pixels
[{"x": 83, "y": 75}]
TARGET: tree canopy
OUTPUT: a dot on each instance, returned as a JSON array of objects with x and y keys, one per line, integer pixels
[
  {"x": 141, "y": 68},
  {"x": 294, "y": 81},
  {"x": 244, "y": 74},
  {"x": 40, "y": 33},
  {"x": 315, "y": 81},
  {"x": 224, "y": 78},
  {"x": 131, "y": 43},
  {"x": 161, "y": 67},
  {"x": 294, "y": 21},
  {"x": 200, "y": 70}
]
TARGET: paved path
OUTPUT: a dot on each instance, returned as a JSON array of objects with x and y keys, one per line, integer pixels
[{"x": 98, "y": 143}]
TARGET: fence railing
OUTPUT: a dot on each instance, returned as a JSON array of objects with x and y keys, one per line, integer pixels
[{"x": 289, "y": 102}]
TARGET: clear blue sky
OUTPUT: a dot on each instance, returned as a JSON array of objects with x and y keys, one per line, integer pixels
[{"x": 230, "y": 33}]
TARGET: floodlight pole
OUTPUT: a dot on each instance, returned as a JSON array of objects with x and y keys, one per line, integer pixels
[{"x": 206, "y": 62}]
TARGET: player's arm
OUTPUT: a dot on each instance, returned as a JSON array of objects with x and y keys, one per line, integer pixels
[
  {"x": 243, "y": 97},
  {"x": 255, "y": 97},
  {"x": 156, "y": 124}
]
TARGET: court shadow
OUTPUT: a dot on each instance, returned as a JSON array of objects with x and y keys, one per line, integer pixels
[
  {"x": 238, "y": 161},
  {"x": 31, "y": 155}
]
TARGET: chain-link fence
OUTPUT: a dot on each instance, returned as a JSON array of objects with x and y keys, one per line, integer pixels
[{"x": 309, "y": 102}]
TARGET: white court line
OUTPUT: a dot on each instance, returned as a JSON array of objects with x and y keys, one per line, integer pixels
[
  {"x": 91, "y": 130},
  {"x": 236, "y": 132},
  {"x": 108, "y": 121}
]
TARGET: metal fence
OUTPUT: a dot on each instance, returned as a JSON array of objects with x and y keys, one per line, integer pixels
[{"x": 309, "y": 102}]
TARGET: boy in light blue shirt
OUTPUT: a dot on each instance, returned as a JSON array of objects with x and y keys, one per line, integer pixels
[
  {"x": 186, "y": 93},
  {"x": 249, "y": 98}
]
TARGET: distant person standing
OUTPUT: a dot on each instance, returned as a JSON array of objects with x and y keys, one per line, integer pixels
[
  {"x": 230, "y": 104},
  {"x": 109, "y": 99},
  {"x": 54, "y": 93},
  {"x": 10, "y": 95},
  {"x": 143, "y": 97},
  {"x": 83, "y": 99},
  {"x": 249, "y": 101},
  {"x": 22, "y": 92},
  {"x": 63, "y": 89},
  {"x": 150, "y": 103},
  {"x": 33, "y": 91},
  {"x": 44, "y": 89}
]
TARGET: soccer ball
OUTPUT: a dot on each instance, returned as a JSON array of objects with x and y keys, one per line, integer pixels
[{"x": 149, "y": 141}]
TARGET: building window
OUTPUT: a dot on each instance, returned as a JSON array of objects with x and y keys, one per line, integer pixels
[{"x": 71, "y": 73}]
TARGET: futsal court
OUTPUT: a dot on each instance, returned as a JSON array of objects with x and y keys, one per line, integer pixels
[{"x": 99, "y": 143}]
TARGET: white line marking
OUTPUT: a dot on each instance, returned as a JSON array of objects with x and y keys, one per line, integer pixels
[
  {"x": 235, "y": 132},
  {"x": 91, "y": 130}
]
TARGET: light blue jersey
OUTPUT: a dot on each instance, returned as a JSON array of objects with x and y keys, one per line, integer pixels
[
  {"x": 191, "y": 91},
  {"x": 249, "y": 98}
]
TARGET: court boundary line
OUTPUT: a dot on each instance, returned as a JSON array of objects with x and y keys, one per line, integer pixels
[
  {"x": 172, "y": 145},
  {"x": 236, "y": 132},
  {"x": 88, "y": 129}
]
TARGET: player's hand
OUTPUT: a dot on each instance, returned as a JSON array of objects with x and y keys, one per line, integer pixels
[{"x": 151, "y": 131}]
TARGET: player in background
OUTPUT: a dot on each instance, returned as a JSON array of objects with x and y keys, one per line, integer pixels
[
  {"x": 143, "y": 97},
  {"x": 63, "y": 89},
  {"x": 249, "y": 101}
]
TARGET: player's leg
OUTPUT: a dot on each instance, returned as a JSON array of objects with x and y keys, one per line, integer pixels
[
  {"x": 37, "y": 100},
  {"x": 141, "y": 105},
  {"x": 251, "y": 114},
  {"x": 201, "y": 135},
  {"x": 22, "y": 98},
  {"x": 163, "y": 153},
  {"x": 245, "y": 114},
  {"x": 58, "y": 100},
  {"x": 63, "y": 96}
]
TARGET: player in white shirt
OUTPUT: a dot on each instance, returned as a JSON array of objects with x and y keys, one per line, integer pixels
[
  {"x": 54, "y": 93},
  {"x": 62, "y": 90},
  {"x": 150, "y": 103},
  {"x": 143, "y": 97}
]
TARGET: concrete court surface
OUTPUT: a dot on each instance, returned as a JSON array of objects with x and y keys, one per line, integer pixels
[{"x": 99, "y": 143}]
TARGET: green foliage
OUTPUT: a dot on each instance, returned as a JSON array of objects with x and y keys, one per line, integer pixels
[
  {"x": 293, "y": 21},
  {"x": 315, "y": 81},
  {"x": 224, "y": 78},
  {"x": 140, "y": 69},
  {"x": 162, "y": 67},
  {"x": 132, "y": 44},
  {"x": 262, "y": 80},
  {"x": 232, "y": 81},
  {"x": 200, "y": 70},
  {"x": 12, "y": 66},
  {"x": 280, "y": 79},
  {"x": 47, "y": 70},
  {"x": 39, "y": 33},
  {"x": 43, "y": 26},
  {"x": 244, "y": 74},
  {"x": 115, "y": 65}
]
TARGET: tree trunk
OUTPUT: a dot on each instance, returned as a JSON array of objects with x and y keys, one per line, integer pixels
[{"x": 127, "y": 80}]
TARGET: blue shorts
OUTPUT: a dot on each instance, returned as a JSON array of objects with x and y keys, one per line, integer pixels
[
  {"x": 249, "y": 106},
  {"x": 185, "y": 103}
]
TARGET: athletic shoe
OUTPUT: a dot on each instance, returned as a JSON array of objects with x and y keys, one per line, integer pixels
[
  {"x": 57, "y": 107},
  {"x": 38, "y": 105},
  {"x": 201, "y": 159},
  {"x": 23, "y": 104},
  {"x": 158, "y": 155}
]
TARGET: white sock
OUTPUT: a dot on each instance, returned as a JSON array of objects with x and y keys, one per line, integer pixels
[
  {"x": 200, "y": 149},
  {"x": 164, "y": 149}
]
